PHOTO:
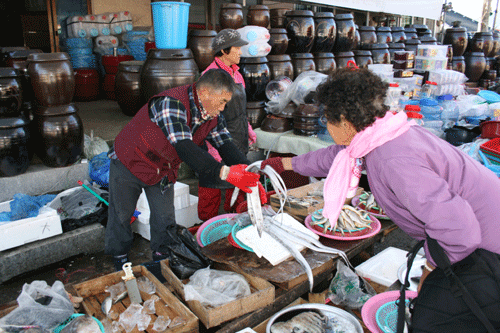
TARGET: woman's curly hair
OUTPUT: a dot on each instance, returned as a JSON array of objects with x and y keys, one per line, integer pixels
[{"x": 356, "y": 94}]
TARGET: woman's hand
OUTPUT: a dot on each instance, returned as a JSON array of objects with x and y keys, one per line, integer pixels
[{"x": 428, "y": 268}]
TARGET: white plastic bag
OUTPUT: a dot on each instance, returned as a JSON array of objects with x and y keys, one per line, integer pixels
[
  {"x": 93, "y": 145},
  {"x": 214, "y": 287}
]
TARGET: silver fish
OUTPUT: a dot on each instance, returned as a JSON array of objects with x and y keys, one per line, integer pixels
[
  {"x": 82, "y": 324},
  {"x": 305, "y": 322},
  {"x": 108, "y": 302}
]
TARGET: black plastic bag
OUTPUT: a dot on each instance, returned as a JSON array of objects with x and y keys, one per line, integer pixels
[{"x": 185, "y": 255}]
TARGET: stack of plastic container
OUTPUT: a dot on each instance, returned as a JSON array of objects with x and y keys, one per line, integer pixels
[
  {"x": 80, "y": 52},
  {"x": 135, "y": 42},
  {"x": 257, "y": 38}
]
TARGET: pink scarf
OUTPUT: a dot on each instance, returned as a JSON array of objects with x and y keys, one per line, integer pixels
[{"x": 340, "y": 176}]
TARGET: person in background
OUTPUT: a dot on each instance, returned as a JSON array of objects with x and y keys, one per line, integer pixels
[
  {"x": 227, "y": 48},
  {"x": 429, "y": 188},
  {"x": 147, "y": 153}
]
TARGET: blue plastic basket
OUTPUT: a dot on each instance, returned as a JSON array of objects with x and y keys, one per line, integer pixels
[
  {"x": 170, "y": 21},
  {"x": 236, "y": 227},
  {"x": 387, "y": 317}
]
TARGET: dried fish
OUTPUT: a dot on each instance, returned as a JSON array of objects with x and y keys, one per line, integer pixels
[{"x": 305, "y": 322}]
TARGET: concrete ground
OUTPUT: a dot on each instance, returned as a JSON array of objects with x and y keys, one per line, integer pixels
[{"x": 105, "y": 119}]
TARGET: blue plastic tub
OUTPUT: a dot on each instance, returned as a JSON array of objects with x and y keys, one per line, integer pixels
[{"x": 170, "y": 22}]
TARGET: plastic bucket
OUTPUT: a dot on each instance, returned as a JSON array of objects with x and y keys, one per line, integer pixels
[{"x": 170, "y": 21}]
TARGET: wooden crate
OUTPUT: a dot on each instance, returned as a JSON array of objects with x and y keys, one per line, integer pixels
[
  {"x": 261, "y": 328},
  {"x": 262, "y": 294},
  {"x": 299, "y": 212},
  {"x": 93, "y": 295}
]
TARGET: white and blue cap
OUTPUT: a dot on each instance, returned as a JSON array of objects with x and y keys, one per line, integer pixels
[{"x": 227, "y": 38}]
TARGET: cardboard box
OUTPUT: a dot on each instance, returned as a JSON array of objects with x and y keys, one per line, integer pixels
[
  {"x": 262, "y": 294},
  {"x": 20, "y": 232},
  {"x": 93, "y": 295},
  {"x": 298, "y": 211}
]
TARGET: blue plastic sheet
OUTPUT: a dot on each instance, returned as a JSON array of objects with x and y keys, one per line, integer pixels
[{"x": 99, "y": 169}]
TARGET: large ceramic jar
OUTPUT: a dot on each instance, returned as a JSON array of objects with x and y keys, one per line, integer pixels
[
  {"x": 420, "y": 28},
  {"x": 357, "y": 38},
  {"x": 457, "y": 38},
  {"x": 278, "y": 17},
  {"x": 258, "y": 15},
  {"x": 474, "y": 43},
  {"x": 280, "y": 65},
  {"x": 487, "y": 38},
  {"x": 14, "y": 146},
  {"x": 363, "y": 58},
  {"x": 326, "y": 32},
  {"x": 257, "y": 75},
  {"x": 256, "y": 112},
  {"x": 496, "y": 43},
  {"x": 128, "y": 87},
  {"x": 11, "y": 93},
  {"x": 324, "y": 62},
  {"x": 58, "y": 135},
  {"x": 231, "y": 16},
  {"x": 346, "y": 33},
  {"x": 367, "y": 36},
  {"x": 302, "y": 62},
  {"x": 167, "y": 68},
  {"x": 428, "y": 40},
  {"x": 398, "y": 34},
  {"x": 19, "y": 58},
  {"x": 412, "y": 45},
  {"x": 4, "y": 53},
  {"x": 380, "y": 53},
  {"x": 86, "y": 84},
  {"x": 395, "y": 47},
  {"x": 52, "y": 78},
  {"x": 278, "y": 40},
  {"x": 458, "y": 64},
  {"x": 384, "y": 35},
  {"x": 410, "y": 33},
  {"x": 200, "y": 43},
  {"x": 475, "y": 65},
  {"x": 343, "y": 58},
  {"x": 426, "y": 33},
  {"x": 300, "y": 29}
]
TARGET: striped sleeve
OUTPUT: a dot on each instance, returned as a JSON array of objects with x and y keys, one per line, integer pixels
[{"x": 170, "y": 115}]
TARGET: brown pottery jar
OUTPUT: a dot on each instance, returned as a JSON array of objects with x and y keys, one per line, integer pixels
[
  {"x": 166, "y": 68},
  {"x": 410, "y": 33},
  {"x": 4, "y": 53},
  {"x": 475, "y": 65},
  {"x": 11, "y": 93},
  {"x": 231, "y": 16},
  {"x": 326, "y": 32},
  {"x": 395, "y": 47},
  {"x": 300, "y": 29},
  {"x": 258, "y": 15},
  {"x": 278, "y": 41},
  {"x": 200, "y": 43},
  {"x": 380, "y": 53},
  {"x": 342, "y": 58},
  {"x": 384, "y": 35},
  {"x": 256, "y": 112},
  {"x": 346, "y": 33},
  {"x": 324, "y": 62},
  {"x": 278, "y": 17},
  {"x": 457, "y": 38},
  {"x": 412, "y": 45},
  {"x": 428, "y": 40},
  {"x": 280, "y": 65},
  {"x": 363, "y": 58},
  {"x": 368, "y": 36},
  {"x": 302, "y": 62},
  {"x": 475, "y": 43},
  {"x": 14, "y": 146},
  {"x": 458, "y": 64},
  {"x": 128, "y": 86},
  {"x": 257, "y": 75},
  {"x": 487, "y": 38},
  {"x": 398, "y": 34},
  {"x": 52, "y": 78},
  {"x": 496, "y": 43},
  {"x": 58, "y": 135}
]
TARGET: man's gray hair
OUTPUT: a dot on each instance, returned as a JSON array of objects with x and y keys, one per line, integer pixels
[{"x": 217, "y": 80}]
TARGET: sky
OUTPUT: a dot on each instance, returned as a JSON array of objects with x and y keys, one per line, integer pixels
[{"x": 473, "y": 8}]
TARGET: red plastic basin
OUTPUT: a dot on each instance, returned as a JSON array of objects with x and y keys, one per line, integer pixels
[
  {"x": 490, "y": 129},
  {"x": 110, "y": 62}
]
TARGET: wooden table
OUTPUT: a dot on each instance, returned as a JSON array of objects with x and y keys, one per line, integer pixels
[{"x": 289, "y": 277}]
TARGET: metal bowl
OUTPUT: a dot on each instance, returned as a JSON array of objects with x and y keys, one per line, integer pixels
[{"x": 322, "y": 309}]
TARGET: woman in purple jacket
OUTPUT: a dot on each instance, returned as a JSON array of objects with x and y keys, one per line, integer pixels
[{"x": 430, "y": 189}]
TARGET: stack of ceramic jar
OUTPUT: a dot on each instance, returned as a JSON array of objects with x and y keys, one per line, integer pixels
[{"x": 57, "y": 129}]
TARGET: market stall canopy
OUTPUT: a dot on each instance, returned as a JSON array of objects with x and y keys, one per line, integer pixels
[{"x": 430, "y": 9}]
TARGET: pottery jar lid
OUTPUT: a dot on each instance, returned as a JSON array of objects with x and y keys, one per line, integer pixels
[
  {"x": 344, "y": 54},
  {"x": 57, "y": 110},
  {"x": 19, "y": 54},
  {"x": 170, "y": 54},
  {"x": 383, "y": 29},
  {"x": 321, "y": 55},
  {"x": 420, "y": 26},
  {"x": 278, "y": 57},
  {"x": 396, "y": 45},
  {"x": 428, "y": 39},
  {"x": 39, "y": 57},
  {"x": 412, "y": 41},
  {"x": 307, "y": 110},
  {"x": 410, "y": 29},
  {"x": 133, "y": 66},
  {"x": 344, "y": 17},
  {"x": 323, "y": 15},
  {"x": 8, "y": 72},
  {"x": 396, "y": 29},
  {"x": 458, "y": 58},
  {"x": 277, "y": 31},
  {"x": 362, "y": 53},
  {"x": 203, "y": 33},
  {"x": 231, "y": 6},
  {"x": 474, "y": 54},
  {"x": 7, "y": 49},
  {"x": 379, "y": 46},
  {"x": 253, "y": 60},
  {"x": 456, "y": 29},
  {"x": 12, "y": 122},
  {"x": 302, "y": 56},
  {"x": 258, "y": 7},
  {"x": 299, "y": 13},
  {"x": 366, "y": 28},
  {"x": 484, "y": 33}
]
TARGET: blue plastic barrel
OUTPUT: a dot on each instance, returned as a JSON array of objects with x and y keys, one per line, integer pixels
[{"x": 170, "y": 22}]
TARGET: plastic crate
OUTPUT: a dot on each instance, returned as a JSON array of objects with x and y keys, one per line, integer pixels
[{"x": 491, "y": 147}]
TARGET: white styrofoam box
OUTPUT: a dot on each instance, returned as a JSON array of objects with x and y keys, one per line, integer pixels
[
  {"x": 17, "y": 233},
  {"x": 383, "y": 267},
  {"x": 186, "y": 217},
  {"x": 181, "y": 198}
]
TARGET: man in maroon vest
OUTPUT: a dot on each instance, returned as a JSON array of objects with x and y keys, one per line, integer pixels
[{"x": 147, "y": 153}]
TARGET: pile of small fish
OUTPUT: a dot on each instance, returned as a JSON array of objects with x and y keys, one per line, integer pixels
[
  {"x": 369, "y": 204},
  {"x": 350, "y": 219},
  {"x": 306, "y": 201},
  {"x": 305, "y": 322}
]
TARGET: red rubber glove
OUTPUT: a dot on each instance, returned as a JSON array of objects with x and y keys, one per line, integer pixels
[
  {"x": 262, "y": 194},
  {"x": 241, "y": 178},
  {"x": 275, "y": 162}
]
